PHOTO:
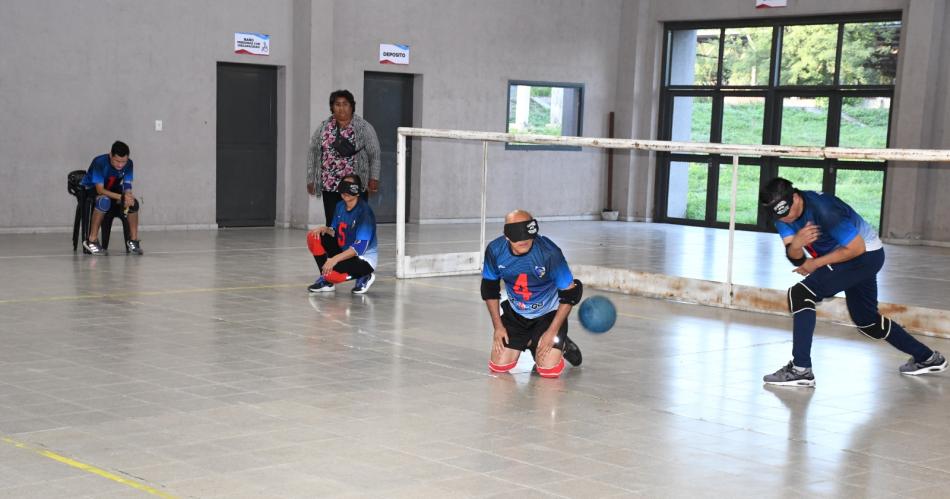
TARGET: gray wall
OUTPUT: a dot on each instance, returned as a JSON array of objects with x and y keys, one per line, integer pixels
[
  {"x": 81, "y": 75},
  {"x": 78, "y": 75}
]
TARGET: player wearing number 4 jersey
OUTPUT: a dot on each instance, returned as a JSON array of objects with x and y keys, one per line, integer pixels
[{"x": 541, "y": 292}]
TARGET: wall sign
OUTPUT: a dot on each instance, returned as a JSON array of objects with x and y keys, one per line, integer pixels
[
  {"x": 763, "y": 4},
  {"x": 393, "y": 54},
  {"x": 251, "y": 43}
]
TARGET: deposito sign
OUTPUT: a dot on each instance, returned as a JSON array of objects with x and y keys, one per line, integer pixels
[
  {"x": 251, "y": 43},
  {"x": 393, "y": 54}
]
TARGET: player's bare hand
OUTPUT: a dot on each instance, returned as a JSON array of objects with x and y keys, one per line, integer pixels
[
  {"x": 807, "y": 235},
  {"x": 373, "y": 185},
  {"x": 328, "y": 266},
  {"x": 499, "y": 341},
  {"x": 545, "y": 344},
  {"x": 807, "y": 268},
  {"x": 128, "y": 199},
  {"x": 311, "y": 188}
]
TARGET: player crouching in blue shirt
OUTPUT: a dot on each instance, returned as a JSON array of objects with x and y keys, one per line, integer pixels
[
  {"x": 541, "y": 292},
  {"x": 845, "y": 255},
  {"x": 347, "y": 250},
  {"x": 109, "y": 180}
]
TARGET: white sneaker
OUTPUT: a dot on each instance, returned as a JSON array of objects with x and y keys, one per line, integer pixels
[{"x": 93, "y": 247}]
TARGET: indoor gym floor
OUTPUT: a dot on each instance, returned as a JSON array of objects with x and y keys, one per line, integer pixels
[{"x": 204, "y": 369}]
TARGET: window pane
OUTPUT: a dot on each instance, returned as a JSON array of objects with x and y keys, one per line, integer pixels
[
  {"x": 746, "y": 55},
  {"x": 863, "y": 190},
  {"x": 545, "y": 110},
  {"x": 808, "y": 54},
  {"x": 694, "y": 57},
  {"x": 742, "y": 120},
  {"x": 803, "y": 178},
  {"x": 747, "y": 194},
  {"x": 687, "y": 194},
  {"x": 869, "y": 53},
  {"x": 804, "y": 121},
  {"x": 692, "y": 119},
  {"x": 864, "y": 121}
]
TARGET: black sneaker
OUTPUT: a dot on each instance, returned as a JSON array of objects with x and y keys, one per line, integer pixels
[
  {"x": 134, "y": 246},
  {"x": 790, "y": 376},
  {"x": 935, "y": 364},
  {"x": 572, "y": 353},
  {"x": 320, "y": 285},
  {"x": 93, "y": 247},
  {"x": 363, "y": 283}
]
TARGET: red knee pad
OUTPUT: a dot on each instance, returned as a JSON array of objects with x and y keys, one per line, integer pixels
[
  {"x": 335, "y": 277},
  {"x": 551, "y": 372},
  {"x": 501, "y": 368},
  {"x": 313, "y": 242}
]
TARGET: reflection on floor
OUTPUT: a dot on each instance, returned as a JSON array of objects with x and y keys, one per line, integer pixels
[{"x": 203, "y": 369}]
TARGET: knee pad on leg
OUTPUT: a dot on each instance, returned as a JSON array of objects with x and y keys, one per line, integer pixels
[
  {"x": 879, "y": 330},
  {"x": 316, "y": 247},
  {"x": 501, "y": 368},
  {"x": 551, "y": 372},
  {"x": 103, "y": 203},
  {"x": 801, "y": 298},
  {"x": 335, "y": 277}
]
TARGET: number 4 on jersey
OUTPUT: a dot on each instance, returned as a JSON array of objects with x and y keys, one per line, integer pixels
[{"x": 521, "y": 287}]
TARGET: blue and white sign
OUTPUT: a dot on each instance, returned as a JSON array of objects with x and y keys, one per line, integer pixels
[
  {"x": 393, "y": 54},
  {"x": 251, "y": 43},
  {"x": 766, "y": 4}
]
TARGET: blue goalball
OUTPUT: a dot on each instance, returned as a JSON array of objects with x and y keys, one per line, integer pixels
[{"x": 597, "y": 314}]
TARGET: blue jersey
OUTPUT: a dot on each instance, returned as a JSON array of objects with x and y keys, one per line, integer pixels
[
  {"x": 102, "y": 172},
  {"x": 356, "y": 229},
  {"x": 839, "y": 224},
  {"x": 531, "y": 280}
]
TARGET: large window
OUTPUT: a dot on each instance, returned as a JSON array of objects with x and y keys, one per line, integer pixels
[
  {"x": 544, "y": 108},
  {"x": 804, "y": 82}
]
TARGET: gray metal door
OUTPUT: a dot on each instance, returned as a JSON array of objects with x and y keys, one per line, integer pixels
[
  {"x": 388, "y": 105},
  {"x": 246, "y": 145}
]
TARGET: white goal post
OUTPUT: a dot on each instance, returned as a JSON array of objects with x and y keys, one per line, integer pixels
[{"x": 408, "y": 266}]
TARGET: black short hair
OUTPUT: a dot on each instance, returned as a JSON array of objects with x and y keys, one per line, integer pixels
[
  {"x": 356, "y": 178},
  {"x": 119, "y": 149},
  {"x": 336, "y": 94}
]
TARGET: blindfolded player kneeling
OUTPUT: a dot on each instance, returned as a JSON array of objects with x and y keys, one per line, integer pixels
[
  {"x": 541, "y": 292},
  {"x": 347, "y": 249}
]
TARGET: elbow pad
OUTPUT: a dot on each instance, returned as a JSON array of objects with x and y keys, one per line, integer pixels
[
  {"x": 491, "y": 289},
  {"x": 795, "y": 261},
  {"x": 573, "y": 295}
]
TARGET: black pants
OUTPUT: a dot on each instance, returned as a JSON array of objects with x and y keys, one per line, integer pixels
[
  {"x": 351, "y": 268},
  {"x": 330, "y": 200}
]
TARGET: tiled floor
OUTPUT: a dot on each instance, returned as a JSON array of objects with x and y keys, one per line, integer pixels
[{"x": 203, "y": 369}]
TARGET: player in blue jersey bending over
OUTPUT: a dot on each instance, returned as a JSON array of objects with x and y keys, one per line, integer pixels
[
  {"x": 845, "y": 255},
  {"x": 109, "y": 182},
  {"x": 541, "y": 292},
  {"x": 347, "y": 249}
]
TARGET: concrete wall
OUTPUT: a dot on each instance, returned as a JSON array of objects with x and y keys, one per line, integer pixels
[{"x": 77, "y": 76}]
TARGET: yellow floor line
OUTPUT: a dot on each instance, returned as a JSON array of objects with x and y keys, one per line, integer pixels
[{"x": 87, "y": 468}]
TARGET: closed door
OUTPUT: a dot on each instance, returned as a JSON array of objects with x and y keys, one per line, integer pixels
[
  {"x": 246, "y": 145},
  {"x": 388, "y": 106}
]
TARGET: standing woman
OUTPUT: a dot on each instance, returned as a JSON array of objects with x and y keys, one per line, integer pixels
[{"x": 343, "y": 144}]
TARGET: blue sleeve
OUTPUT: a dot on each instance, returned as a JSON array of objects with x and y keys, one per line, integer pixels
[
  {"x": 560, "y": 271},
  {"x": 96, "y": 172},
  {"x": 366, "y": 229},
  {"x": 127, "y": 180},
  {"x": 784, "y": 230},
  {"x": 489, "y": 268}
]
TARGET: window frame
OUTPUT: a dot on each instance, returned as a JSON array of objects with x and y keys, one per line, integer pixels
[
  {"x": 579, "y": 87},
  {"x": 774, "y": 94}
]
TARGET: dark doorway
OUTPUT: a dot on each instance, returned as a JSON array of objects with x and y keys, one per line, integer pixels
[
  {"x": 388, "y": 106},
  {"x": 246, "y": 145}
]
